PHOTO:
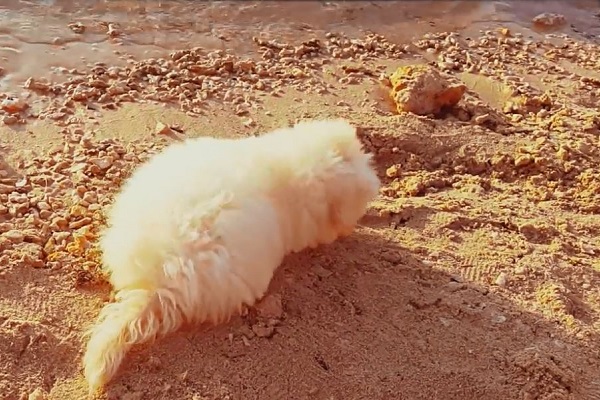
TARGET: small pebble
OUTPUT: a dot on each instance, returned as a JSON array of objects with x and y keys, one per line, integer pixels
[{"x": 501, "y": 279}]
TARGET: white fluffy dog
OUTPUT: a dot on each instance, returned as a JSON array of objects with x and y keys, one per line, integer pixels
[{"x": 198, "y": 231}]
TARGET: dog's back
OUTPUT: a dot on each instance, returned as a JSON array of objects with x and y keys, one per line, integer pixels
[{"x": 200, "y": 228}]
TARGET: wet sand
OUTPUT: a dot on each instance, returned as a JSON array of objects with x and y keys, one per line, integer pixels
[{"x": 474, "y": 275}]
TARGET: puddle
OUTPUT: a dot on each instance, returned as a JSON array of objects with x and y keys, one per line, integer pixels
[{"x": 35, "y": 38}]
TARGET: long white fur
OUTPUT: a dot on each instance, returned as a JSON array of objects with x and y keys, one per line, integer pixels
[{"x": 199, "y": 229}]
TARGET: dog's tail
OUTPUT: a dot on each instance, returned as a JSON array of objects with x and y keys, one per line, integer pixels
[{"x": 137, "y": 316}]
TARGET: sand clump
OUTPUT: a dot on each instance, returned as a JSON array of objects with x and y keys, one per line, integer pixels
[
  {"x": 477, "y": 263},
  {"x": 422, "y": 90}
]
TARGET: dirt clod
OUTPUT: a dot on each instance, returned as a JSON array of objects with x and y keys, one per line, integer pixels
[
  {"x": 270, "y": 307},
  {"x": 423, "y": 90}
]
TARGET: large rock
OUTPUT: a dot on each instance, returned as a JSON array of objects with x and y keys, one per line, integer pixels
[
  {"x": 549, "y": 20},
  {"x": 423, "y": 90}
]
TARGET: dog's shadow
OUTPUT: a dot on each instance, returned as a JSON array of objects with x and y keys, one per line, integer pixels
[{"x": 362, "y": 319}]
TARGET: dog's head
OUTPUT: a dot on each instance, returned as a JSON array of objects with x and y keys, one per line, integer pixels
[{"x": 346, "y": 172}]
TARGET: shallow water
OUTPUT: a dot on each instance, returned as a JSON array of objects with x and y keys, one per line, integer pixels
[{"x": 35, "y": 38}]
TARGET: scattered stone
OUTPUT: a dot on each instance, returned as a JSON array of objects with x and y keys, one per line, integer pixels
[
  {"x": 37, "y": 394},
  {"x": 270, "y": 307},
  {"x": 30, "y": 255},
  {"x": 113, "y": 31},
  {"x": 482, "y": 119},
  {"x": 520, "y": 269},
  {"x": 246, "y": 341},
  {"x": 499, "y": 319},
  {"x": 15, "y": 236},
  {"x": 246, "y": 332},
  {"x": 523, "y": 160},
  {"x": 77, "y": 27},
  {"x": 34, "y": 84},
  {"x": 80, "y": 223},
  {"x": 13, "y": 105},
  {"x": 321, "y": 271},
  {"x": 392, "y": 172},
  {"x": 455, "y": 286},
  {"x": 249, "y": 123},
  {"x": 59, "y": 224},
  {"x": 102, "y": 163},
  {"x": 9, "y": 119},
  {"x": 501, "y": 279},
  {"x": 263, "y": 331},
  {"x": 183, "y": 377},
  {"x": 5, "y": 189},
  {"x": 162, "y": 129}
]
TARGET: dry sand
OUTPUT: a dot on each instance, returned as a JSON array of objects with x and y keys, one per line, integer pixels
[{"x": 475, "y": 275}]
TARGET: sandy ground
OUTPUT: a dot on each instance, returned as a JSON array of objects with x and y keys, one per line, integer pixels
[{"x": 475, "y": 274}]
